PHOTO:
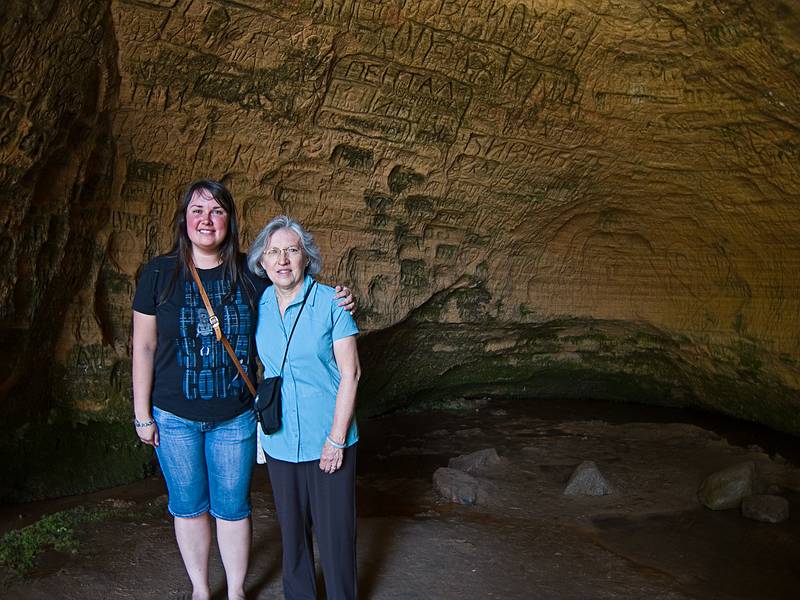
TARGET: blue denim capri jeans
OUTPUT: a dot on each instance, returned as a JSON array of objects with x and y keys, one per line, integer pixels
[{"x": 207, "y": 465}]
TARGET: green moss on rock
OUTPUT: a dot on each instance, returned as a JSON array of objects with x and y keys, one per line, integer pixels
[{"x": 61, "y": 458}]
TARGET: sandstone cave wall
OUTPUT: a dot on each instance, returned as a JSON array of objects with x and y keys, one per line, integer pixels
[
  {"x": 58, "y": 85},
  {"x": 544, "y": 197}
]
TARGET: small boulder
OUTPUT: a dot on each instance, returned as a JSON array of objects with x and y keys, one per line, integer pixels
[
  {"x": 456, "y": 486},
  {"x": 587, "y": 480},
  {"x": 470, "y": 463},
  {"x": 765, "y": 508},
  {"x": 726, "y": 488}
]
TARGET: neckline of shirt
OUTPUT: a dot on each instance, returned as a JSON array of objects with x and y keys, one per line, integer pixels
[{"x": 270, "y": 297}]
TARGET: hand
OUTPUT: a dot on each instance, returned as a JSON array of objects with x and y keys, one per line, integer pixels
[
  {"x": 347, "y": 302},
  {"x": 331, "y": 458},
  {"x": 148, "y": 435}
]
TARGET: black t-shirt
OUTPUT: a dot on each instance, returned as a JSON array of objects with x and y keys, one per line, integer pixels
[{"x": 194, "y": 377}]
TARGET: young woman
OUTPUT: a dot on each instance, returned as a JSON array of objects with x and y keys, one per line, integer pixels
[{"x": 190, "y": 401}]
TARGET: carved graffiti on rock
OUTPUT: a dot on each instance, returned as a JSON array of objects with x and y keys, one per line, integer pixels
[{"x": 386, "y": 100}]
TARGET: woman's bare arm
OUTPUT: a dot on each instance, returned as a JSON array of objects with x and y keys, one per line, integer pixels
[{"x": 145, "y": 339}]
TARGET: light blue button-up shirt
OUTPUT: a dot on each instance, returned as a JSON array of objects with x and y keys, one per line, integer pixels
[{"x": 310, "y": 376}]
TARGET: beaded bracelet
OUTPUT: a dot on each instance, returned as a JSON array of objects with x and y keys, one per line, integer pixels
[
  {"x": 335, "y": 445},
  {"x": 140, "y": 424}
]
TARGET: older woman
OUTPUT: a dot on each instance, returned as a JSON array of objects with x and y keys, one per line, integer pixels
[
  {"x": 190, "y": 401},
  {"x": 312, "y": 457}
]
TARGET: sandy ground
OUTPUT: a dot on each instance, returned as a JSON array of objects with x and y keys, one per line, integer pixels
[{"x": 525, "y": 539}]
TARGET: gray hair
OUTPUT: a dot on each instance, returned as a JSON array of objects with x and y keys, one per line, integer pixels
[{"x": 307, "y": 245}]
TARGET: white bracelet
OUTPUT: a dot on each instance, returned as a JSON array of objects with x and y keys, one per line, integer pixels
[
  {"x": 139, "y": 424},
  {"x": 335, "y": 445}
]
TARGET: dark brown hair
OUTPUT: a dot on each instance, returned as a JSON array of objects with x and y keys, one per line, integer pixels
[{"x": 229, "y": 250}]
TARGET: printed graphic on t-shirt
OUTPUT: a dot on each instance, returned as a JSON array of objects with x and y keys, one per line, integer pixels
[{"x": 208, "y": 371}]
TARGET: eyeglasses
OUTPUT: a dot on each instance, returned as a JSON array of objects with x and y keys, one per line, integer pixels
[{"x": 274, "y": 253}]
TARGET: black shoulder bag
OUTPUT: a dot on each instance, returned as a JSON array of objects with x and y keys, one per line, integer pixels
[{"x": 268, "y": 399}]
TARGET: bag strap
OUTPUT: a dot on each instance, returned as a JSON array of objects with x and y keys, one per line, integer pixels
[
  {"x": 212, "y": 318},
  {"x": 286, "y": 352}
]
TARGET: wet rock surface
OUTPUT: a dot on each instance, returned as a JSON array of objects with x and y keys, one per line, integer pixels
[{"x": 526, "y": 540}]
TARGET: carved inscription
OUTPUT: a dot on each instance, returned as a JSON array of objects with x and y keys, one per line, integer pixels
[
  {"x": 141, "y": 170},
  {"x": 422, "y": 28},
  {"x": 90, "y": 360},
  {"x": 350, "y": 157},
  {"x": 511, "y": 164},
  {"x": 413, "y": 273},
  {"x": 513, "y": 51},
  {"x": 382, "y": 99}
]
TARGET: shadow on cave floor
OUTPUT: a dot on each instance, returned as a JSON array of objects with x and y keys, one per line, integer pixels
[{"x": 524, "y": 538}]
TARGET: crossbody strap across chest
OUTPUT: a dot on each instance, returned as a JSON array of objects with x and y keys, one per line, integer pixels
[
  {"x": 286, "y": 352},
  {"x": 212, "y": 318}
]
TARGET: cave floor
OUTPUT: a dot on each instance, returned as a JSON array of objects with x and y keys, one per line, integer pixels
[{"x": 525, "y": 539}]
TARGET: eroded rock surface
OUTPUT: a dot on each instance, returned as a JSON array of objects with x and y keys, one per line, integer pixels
[{"x": 557, "y": 198}]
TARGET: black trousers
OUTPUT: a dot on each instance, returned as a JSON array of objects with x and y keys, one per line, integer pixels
[{"x": 306, "y": 500}]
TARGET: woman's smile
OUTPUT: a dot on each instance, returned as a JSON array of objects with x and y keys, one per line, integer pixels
[{"x": 206, "y": 221}]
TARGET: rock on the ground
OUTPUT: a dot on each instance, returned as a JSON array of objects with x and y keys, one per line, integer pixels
[
  {"x": 765, "y": 508},
  {"x": 726, "y": 488},
  {"x": 587, "y": 480},
  {"x": 456, "y": 486},
  {"x": 474, "y": 461}
]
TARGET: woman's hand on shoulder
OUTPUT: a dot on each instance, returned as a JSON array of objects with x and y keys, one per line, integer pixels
[{"x": 346, "y": 300}]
